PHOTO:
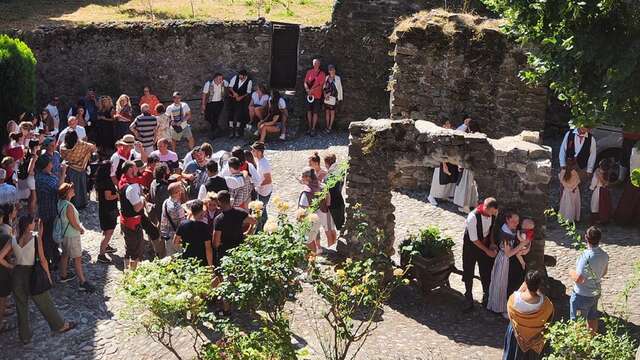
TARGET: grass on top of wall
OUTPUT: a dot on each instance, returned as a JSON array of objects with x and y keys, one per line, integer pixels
[{"x": 28, "y": 14}]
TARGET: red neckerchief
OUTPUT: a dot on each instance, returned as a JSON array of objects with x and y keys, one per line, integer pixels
[
  {"x": 530, "y": 234},
  {"x": 124, "y": 152},
  {"x": 480, "y": 210}
]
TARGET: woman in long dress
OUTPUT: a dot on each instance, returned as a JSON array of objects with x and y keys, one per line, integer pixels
[
  {"x": 466, "y": 193},
  {"x": 570, "y": 200},
  {"x": 508, "y": 248},
  {"x": 600, "y": 198},
  {"x": 628, "y": 210},
  {"x": 443, "y": 182}
]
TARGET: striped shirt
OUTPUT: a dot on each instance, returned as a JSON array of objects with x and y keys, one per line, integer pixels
[{"x": 145, "y": 125}]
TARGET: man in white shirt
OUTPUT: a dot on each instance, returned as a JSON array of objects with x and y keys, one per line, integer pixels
[
  {"x": 179, "y": 115},
  {"x": 52, "y": 108},
  {"x": 240, "y": 88},
  {"x": 131, "y": 210},
  {"x": 465, "y": 124},
  {"x": 73, "y": 124},
  {"x": 213, "y": 94},
  {"x": 479, "y": 247},
  {"x": 265, "y": 188},
  {"x": 580, "y": 145}
]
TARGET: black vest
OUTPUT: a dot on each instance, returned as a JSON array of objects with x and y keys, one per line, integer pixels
[
  {"x": 583, "y": 156},
  {"x": 486, "y": 241},
  {"x": 216, "y": 184},
  {"x": 126, "y": 208},
  {"x": 241, "y": 90}
]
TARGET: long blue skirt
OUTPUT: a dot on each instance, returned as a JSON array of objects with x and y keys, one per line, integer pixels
[
  {"x": 79, "y": 180},
  {"x": 513, "y": 352}
]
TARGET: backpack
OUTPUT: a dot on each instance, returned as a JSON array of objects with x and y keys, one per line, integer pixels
[
  {"x": 200, "y": 179},
  {"x": 58, "y": 233},
  {"x": 23, "y": 167}
]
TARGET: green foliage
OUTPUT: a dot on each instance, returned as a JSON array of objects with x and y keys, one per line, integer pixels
[
  {"x": 266, "y": 343},
  {"x": 569, "y": 227},
  {"x": 261, "y": 274},
  {"x": 164, "y": 294},
  {"x": 635, "y": 177},
  {"x": 331, "y": 181},
  {"x": 18, "y": 74},
  {"x": 429, "y": 243},
  {"x": 586, "y": 51},
  {"x": 262, "y": 7},
  {"x": 570, "y": 340}
]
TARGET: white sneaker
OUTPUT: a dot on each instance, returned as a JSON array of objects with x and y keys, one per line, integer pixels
[
  {"x": 256, "y": 133},
  {"x": 432, "y": 200},
  {"x": 283, "y": 136}
]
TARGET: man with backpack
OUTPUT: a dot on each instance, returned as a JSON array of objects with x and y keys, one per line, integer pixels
[{"x": 47, "y": 192}]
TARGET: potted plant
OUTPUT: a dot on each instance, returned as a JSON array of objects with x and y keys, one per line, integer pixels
[{"x": 430, "y": 255}]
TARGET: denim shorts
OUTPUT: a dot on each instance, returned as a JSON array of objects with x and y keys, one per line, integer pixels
[{"x": 585, "y": 307}]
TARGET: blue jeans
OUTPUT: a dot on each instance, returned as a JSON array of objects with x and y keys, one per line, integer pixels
[
  {"x": 264, "y": 217},
  {"x": 585, "y": 307}
]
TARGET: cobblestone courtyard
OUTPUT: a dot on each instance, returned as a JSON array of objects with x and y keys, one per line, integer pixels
[{"x": 413, "y": 326}]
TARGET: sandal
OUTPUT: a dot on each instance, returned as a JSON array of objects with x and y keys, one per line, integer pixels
[{"x": 67, "y": 327}]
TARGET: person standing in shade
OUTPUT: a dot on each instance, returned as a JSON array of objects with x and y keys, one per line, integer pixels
[
  {"x": 47, "y": 192},
  {"x": 212, "y": 103},
  {"x": 332, "y": 96},
  {"x": 194, "y": 236},
  {"x": 52, "y": 108},
  {"x": 265, "y": 189},
  {"x": 445, "y": 177},
  {"x": 105, "y": 123},
  {"x": 240, "y": 88},
  {"x": 466, "y": 193},
  {"x": 479, "y": 247},
  {"x": 313, "y": 84},
  {"x": 77, "y": 154},
  {"x": 180, "y": 115},
  {"x": 591, "y": 267},
  {"x": 72, "y": 230},
  {"x": 25, "y": 248},
  {"x": 580, "y": 145},
  {"x": 529, "y": 313},
  {"x": 144, "y": 128},
  {"x": 149, "y": 99}
]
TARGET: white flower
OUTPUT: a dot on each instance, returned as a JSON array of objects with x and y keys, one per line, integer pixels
[
  {"x": 270, "y": 227},
  {"x": 300, "y": 214},
  {"x": 314, "y": 218},
  {"x": 256, "y": 205},
  {"x": 183, "y": 296}
]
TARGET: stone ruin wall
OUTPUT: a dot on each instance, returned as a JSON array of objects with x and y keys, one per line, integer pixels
[
  {"x": 121, "y": 57},
  {"x": 448, "y": 65},
  {"x": 513, "y": 169}
]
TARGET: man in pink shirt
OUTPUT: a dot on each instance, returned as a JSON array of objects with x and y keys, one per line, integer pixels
[{"x": 313, "y": 83}]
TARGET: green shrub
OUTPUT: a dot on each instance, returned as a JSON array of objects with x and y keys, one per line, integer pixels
[
  {"x": 18, "y": 74},
  {"x": 429, "y": 243},
  {"x": 635, "y": 177}
]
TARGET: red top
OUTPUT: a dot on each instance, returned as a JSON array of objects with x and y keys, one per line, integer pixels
[
  {"x": 315, "y": 81},
  {"x": 146, "y": 178},
  {"x": 152, "y": 101}
]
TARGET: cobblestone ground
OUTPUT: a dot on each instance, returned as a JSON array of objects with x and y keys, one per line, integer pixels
[{"x": 413, "y": 326}]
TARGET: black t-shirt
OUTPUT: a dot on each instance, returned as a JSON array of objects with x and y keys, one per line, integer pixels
[
  {"x": 104, "y": 204},
  {"x": 216, "y": 184},
  {"x": 194, "y": 234},
  {"x": 230, "y": 224}
]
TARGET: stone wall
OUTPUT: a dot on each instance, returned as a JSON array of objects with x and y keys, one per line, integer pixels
[
  {"x": 121, "y": 57},
  {"x": 448, "y": 65},
  {"x": 515, "y": 171}
]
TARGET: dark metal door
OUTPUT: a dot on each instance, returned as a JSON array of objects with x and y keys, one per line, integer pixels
[{"x": 284, "y": 55}]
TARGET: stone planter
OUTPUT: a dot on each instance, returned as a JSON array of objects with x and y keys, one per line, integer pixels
[{"x": 430, "y": 273}]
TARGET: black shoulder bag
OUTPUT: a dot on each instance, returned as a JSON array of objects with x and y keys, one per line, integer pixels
[{"x": 39, "y": 281}]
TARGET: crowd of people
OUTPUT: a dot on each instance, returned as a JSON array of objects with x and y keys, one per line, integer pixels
[{"x": 196, "y": 206}]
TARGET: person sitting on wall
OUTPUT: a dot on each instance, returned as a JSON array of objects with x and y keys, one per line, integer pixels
[
  {"x": 272, "y": 122},
  {"x": 313, "y": 83},
  {"x": 580, "y": 145},
  {"x": 213, "y": 94},
  {"x": 281, "y": 103},
  {"x": 239, "y": 89},
  {"x": 258, "y": 105}
]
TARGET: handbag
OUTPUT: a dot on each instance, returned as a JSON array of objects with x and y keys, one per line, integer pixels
[
  {"x": 178, "y": 128},
  {"x": 39, "y": 280}
]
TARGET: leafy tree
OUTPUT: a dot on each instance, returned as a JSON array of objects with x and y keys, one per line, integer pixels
[
  {"x": 18, "y": 74},
  {"x": 588, "y": 52}
]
